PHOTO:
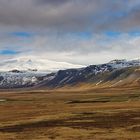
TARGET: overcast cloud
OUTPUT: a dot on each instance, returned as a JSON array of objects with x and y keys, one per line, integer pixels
[{"x": 71, "y": 30}]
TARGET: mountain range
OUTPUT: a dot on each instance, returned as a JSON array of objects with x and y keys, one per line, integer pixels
[
  {"x": 36, "y": 64},
  {"x": 23, "y": 73}
]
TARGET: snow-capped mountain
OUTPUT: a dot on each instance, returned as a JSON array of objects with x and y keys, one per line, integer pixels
[
  {"x": 33, "y": 63},
  {"x": 29, "y": 71},
  {"x": 95, "y": 74},
  {"x": 22, "y": 73},
  {"x": 123, "y": 63},
  {"x": 19, "y": 80}
]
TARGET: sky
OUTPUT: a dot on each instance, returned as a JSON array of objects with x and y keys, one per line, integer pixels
[{"x": 75, "y": 31}]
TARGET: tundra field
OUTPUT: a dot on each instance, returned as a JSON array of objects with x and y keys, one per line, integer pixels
[{"x": 93, "y": 114}]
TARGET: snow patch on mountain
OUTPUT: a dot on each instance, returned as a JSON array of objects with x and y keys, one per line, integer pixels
[
  {"x": 33, "y": 63},
  {"x": 123, "y": 63},
  {"x": 21, "y": 72},
  {"x": 24, "y": 79}
]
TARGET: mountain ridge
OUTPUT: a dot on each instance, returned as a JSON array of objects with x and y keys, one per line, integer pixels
[{"x": 114, "y": 73}]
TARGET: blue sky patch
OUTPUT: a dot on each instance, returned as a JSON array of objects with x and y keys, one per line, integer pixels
[
  {"x": 8, "y": 52},
  {"x": 112, "y": 34},
  {"x": 22, "y": 34},
  {"x": 135, "y": 34}
]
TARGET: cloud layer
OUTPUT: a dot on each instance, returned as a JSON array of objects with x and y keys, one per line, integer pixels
[
  {"x": 70, "y": 30},
  {"x": 70, "y": 15}
]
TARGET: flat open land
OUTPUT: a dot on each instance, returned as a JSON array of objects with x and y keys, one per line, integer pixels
[{"x": 95, "y": 114}]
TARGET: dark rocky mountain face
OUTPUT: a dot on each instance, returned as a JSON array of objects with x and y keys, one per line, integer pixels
[
  {"x": 75, "y": 76},
  {"x": 115, "y": 71}
]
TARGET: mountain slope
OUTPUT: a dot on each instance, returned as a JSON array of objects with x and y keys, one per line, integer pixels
[
  {"x": 20, "y": 79},
  {"x": 112, "y": 74},
  {"x": 125, "y": 77}
]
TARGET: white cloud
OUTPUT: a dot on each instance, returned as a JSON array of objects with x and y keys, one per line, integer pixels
[
  {"x": 96, "y": 49},
  {"x": 55, "y": 24}
]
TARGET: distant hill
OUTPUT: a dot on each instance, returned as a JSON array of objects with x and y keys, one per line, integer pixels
[
  {"x": 116, "y": 73},
  {"x": 105, "y": 75}
]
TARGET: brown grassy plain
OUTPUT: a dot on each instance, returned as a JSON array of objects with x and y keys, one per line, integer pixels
[{"x": 91, "y": 114}]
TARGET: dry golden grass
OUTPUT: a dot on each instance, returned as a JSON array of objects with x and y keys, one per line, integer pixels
[{"x": 89, "y": 114}]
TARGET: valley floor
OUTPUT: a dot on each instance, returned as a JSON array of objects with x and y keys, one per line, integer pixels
[{"x": 96, "y": 114}]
